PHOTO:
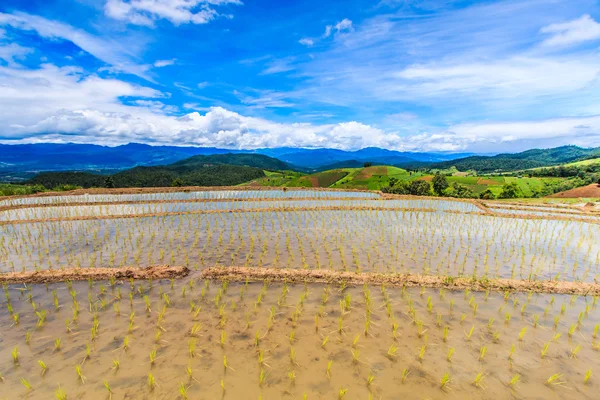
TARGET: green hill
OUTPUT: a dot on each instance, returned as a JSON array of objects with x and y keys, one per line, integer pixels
[
  {"x": 247, "y": 160},
  {"x": 520, "y": 161},
  {"x": 214, "y": 170}
]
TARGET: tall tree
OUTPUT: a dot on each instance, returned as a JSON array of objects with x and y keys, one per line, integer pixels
[{"x": 440, "y": 183}]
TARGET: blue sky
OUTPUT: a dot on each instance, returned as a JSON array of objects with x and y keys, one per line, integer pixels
[{"x": 417, "y": 75}]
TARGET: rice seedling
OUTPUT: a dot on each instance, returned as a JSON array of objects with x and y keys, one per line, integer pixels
[
  {"x": 15, "y": 355},
  {"x": 450, "y": 354},
  {"x": 554, "y": 380},
  {"x": 405, "y": 373},
  {"x": 422, "y": 351},
  {"x": 328, "y": 371},
  {"x": 107, "y": 386},
  {"x": 151, "y": 382},
  {"x": 445, "y": 381},
  {"x": 478, "y": 380},
  {"x": 545, "y": 349},
  {"x": 514, "y": 380},
  {"x": 391, "y": 353},
  {"x": 342, "y": 392},
  {"x": 482, "y": 352},
  {"x": 60, "y": 394},
  {"x": 26, "y": 383},
  {"x": 588, "y": 376},
  {"x": 468, "y": 335},
  {"x": 182, "y": 389},
  {"x": 80, "y": 375},
  {"x": 43, "y": 367}
]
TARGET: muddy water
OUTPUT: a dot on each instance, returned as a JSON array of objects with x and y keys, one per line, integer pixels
[
  {"x": 295, "y": 312},
  {"x": 481, "y": 329},
  {"x": 382, "y": 241},
  {"x": 208, "y": 195},
  {"x": 136, "y": 209}
]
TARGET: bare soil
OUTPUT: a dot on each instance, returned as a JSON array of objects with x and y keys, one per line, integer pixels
[
  {"x": 592, "y": 190},
  {"x": 82, "y": 274},
  {"x": 407, "y": 280}
]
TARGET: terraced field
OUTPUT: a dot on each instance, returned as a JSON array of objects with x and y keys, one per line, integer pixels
[{"x": 484, "y": 315}]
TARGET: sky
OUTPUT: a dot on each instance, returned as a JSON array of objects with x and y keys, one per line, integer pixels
[{"x": 408, "y": 75}]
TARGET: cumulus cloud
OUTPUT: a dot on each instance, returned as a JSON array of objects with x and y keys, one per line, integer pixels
[
  {"x": 67, "y": 105},
  {"x": 146, "y": 12},
  {"x": 572, "y": 32}
]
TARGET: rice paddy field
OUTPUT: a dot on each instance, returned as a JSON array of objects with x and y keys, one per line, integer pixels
[{"x": 201, "y": 338}]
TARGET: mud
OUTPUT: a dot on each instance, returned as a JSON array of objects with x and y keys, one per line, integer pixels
[
  {"x": 399, "y": 280},
  {"x": 82, "y": 274}
]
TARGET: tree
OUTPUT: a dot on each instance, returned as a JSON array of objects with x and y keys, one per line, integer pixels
[
  {"x": 487, "y": 194},
  {"x": 368, "y": 164},
  {"x": 598, "y": 181},
  {"x": 460, "y": 191},
  {"x": 511, "y": 191},
  {"x": 393, "y": 181},
  {"x": 177, "y": 182},
  {"x": 440, "y": 183},
  {"x": 109, "y": 182},
  {"x": 419, "y": 188}
]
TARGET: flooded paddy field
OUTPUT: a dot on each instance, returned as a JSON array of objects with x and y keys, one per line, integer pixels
[{"x": 203, "y": 339}]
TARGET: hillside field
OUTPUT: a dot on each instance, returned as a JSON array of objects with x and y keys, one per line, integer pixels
[{"x": 378, "y": 177}]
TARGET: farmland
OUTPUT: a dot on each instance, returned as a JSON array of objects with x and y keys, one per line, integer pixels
[
  {"x": 298, "y": 293},
  {"x": 379, "y": 177}
]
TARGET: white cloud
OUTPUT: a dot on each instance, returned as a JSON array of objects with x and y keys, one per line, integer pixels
[
  {"x": 66, "y": 105},
  {"x": 576, "y": 31},
  {"x": 506, "y": 78},
  {"x": 146, "y": 12},
  {"x": 164, "y": 63},
  {"x": 202, "y": 85},
  {"x": 108, "y": 51},
  {"x": 306, "y": 42},
  {"x": 277, "y": 66},
  {"x": 11, "y": 52},
  {"x": 344, "y": 25}
]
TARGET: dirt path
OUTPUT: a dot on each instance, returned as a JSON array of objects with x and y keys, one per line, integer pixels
[
  {"x": 82, "y": 274},
  {"x": 408, "y": 280}
]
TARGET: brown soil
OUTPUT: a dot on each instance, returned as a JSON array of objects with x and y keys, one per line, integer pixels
[
  {"x": 483, "y": 181},
  {"x": 368, "y": 172},
  {"x": 82, "y": 274},
  {"x": 408, "y": 280},
  {"x": 314, "y": 181},
  {"x": 592, "y": 190},
  {"x": 427, "y": 178}
]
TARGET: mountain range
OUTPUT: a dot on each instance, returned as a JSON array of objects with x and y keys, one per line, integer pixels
[{"x": 22, "y": 161}]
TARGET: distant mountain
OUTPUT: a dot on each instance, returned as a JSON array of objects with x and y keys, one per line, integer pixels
[
  {"x": 23, "y": 161},
  {"x": 319, "y": 158},
  {"x": 519, "y": 161}
]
